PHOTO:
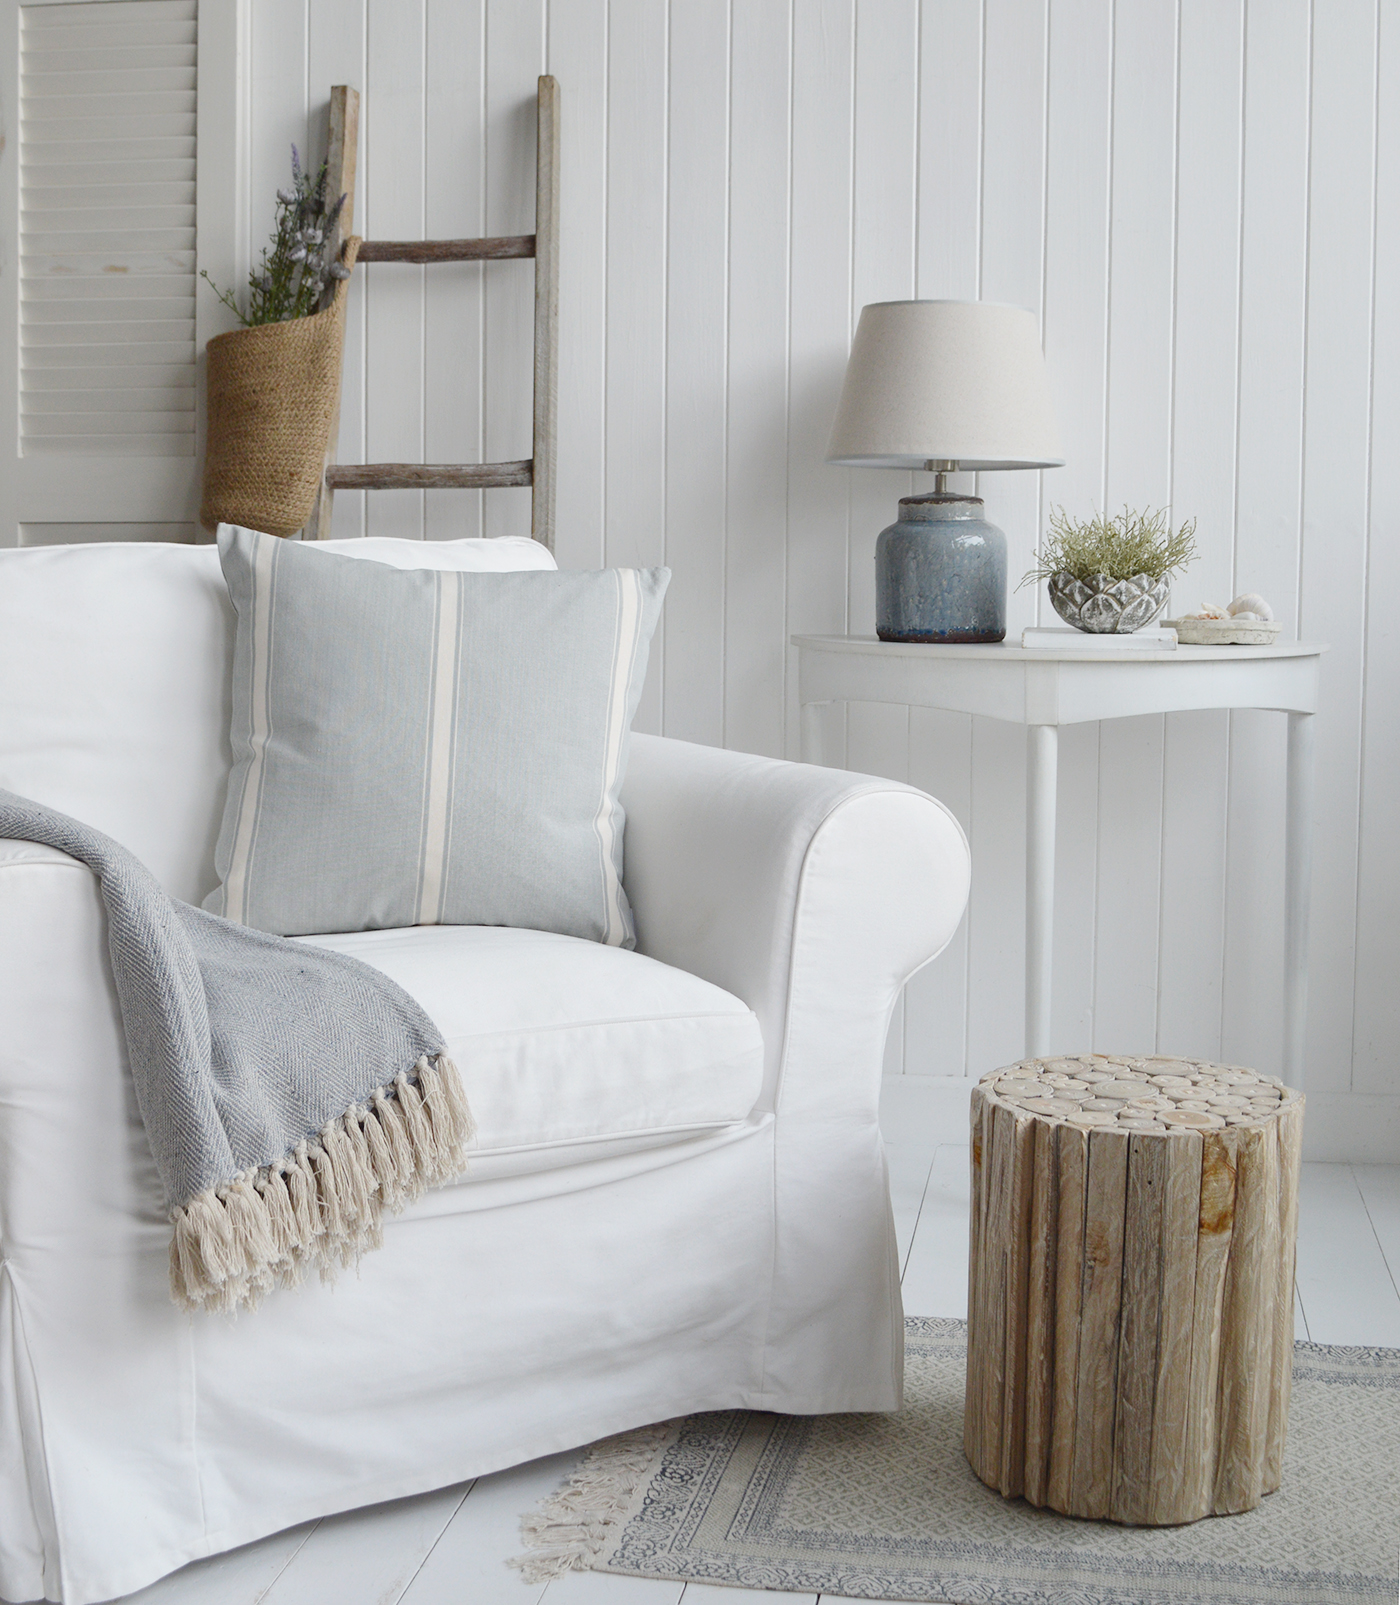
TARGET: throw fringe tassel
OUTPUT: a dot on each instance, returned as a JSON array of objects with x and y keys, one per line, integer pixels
[
  {"x": 569, "y": 1530},
  {"x": 322, "y": 1204}
]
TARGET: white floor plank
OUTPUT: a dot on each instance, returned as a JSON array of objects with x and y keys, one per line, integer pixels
[
  {"x": 239, "y": 1577},
  {"x": 935, "y": 1274},
  {"x": 713, "y": 1594},
  {"x": 1342, "y": 1275},
  {"x": 1379, "y": 1186},
  {"x": 366, "y": 1557},
  {"x": 908, "y": 1117},
  {"x": 598, "y": 1588},
  {"x": 468, "y": 1562}
]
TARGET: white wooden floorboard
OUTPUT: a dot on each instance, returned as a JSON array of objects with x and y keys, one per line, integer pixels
[
  {"x": 935, "y": 1274},
  {"x": 238, "y": 1577},
  {"x": 366, "y": 1557},
  {"x": 713, "y": 1594},
  {"x": 1379, "y": 1186},
  {"x": 1342, "y": 1274},
  {"x": 907, "y": 1115},
  {"x": 468, "y": 1562},
  {"x": 598, "y": 1588}
]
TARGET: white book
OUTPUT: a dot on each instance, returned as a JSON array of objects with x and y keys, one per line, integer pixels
[{"x": 1064, "y": 638}]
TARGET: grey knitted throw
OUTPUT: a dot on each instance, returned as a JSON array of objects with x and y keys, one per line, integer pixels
[{"x": 290, "y": 1094}]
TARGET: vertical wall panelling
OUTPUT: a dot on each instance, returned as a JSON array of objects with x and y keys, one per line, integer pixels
[
  {"x": 819, "y": 265},
  {"x": 1141, "y": 258},
  {"x": 636, "y": 303},
  {"x": 884, "y": 178},
  {"x": 454, "y": 294},
  {"x": 755, "y": 611},
  {"x": 392, "y": 182},
  {"x": 1273, "y": 301},
  {"x": 697, "y": 283},
  {"x": 514, "y": 61},
  {"x": 1377, "y": 1026},
  {"x": 1078, "y": 121},
  {"x": 1197, "y": 198},
  {"x": 1012, "y": 266},
  {"x": 1205, "y": 362},
  {"x": 577, "y": 42},
  {"x": 882, "y": 246},
  {"x": 1336, "y": 464}
]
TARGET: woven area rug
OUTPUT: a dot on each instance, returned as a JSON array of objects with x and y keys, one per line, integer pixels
[{"x": 885, "y": 1507}]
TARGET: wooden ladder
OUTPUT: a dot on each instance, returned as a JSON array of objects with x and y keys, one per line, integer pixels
[{"x": 537, "y": 470}]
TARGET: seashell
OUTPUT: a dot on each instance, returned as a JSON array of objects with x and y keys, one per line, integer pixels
[
  {"x": 1210, "y": 610},
  {"x": 1242, "y": 616},
  {"x": 1249, "y": 604}
]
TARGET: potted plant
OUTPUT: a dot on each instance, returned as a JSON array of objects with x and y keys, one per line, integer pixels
[
  {"x": 1112, "y": 575},
  {"x": 273, "y": 384}
]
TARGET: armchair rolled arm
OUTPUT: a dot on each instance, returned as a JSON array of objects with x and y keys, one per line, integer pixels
[{"x": 810, "y": 893}]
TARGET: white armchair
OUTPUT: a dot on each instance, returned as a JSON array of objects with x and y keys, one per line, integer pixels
[{"x": 677, "y": 1199}]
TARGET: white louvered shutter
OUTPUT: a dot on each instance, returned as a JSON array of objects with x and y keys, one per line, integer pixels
[
  {"x": 109, "y": 321},
  {"x": 107, "y": 213}
]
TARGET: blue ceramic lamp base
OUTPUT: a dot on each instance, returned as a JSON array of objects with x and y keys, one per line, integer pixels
[{"x": 940, "y": 573}]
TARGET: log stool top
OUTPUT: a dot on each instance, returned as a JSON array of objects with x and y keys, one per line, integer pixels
[
  {"x": 1130, "y": 1304},
  {"x": 1139, "y": 1094}
]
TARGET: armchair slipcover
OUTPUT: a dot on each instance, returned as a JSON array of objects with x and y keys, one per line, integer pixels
[{"x": 677, "y": 1200}]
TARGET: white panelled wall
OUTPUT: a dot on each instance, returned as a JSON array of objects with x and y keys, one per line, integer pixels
[{"x": 1201, "y": 198}]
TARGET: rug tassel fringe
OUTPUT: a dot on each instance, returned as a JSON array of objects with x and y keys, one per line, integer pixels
[
  {"x": 567, "y": 1531},
  {"x": 322, "y": 1204}
]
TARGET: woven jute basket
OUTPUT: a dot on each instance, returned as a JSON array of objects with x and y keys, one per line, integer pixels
[{"x": 272, "y": 393}]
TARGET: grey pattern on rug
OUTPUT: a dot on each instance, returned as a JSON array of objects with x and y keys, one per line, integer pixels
[{"x": 886, "y": 1507}]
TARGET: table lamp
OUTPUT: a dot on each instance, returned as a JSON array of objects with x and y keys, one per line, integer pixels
[{"x": 944, "y": 385}]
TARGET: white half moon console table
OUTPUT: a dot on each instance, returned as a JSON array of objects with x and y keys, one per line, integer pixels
[{"x": 1046, "y": 689}]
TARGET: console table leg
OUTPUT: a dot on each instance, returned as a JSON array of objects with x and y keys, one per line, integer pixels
[
  {"x": 1297, "y": 890},
  {"x": 813, "y": 747},
  {"x": 1042, "y": 755}
]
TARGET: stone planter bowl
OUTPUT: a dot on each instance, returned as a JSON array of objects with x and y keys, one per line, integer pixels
[{"x": 1104, "y": 606}]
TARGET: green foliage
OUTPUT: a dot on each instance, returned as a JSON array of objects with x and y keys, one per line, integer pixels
[
  {"x": 294, "y": 272},
  {"x": 1133, "y": 543}
]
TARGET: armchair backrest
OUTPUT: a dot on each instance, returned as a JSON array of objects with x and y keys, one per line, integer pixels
[{"x": 114, "y": 685}]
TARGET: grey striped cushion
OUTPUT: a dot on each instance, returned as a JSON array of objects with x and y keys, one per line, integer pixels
[{"x": 421, "y": 747}]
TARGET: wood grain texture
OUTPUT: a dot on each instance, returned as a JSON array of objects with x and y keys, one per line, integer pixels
[
  {"x": 342, "y": 152},
  {"x": 1180, "y": 1210},
  {"x": 1101, "y": 1303},
  {"x": 545, "y": 249},
  {"x": 1072, "y": 1147},
  {"x": 423, "y": 476},
  {"x": 1130, "y": 1285},
  {"x": 485, "y": 250},
  {"x": 1040, "y": 1311}
]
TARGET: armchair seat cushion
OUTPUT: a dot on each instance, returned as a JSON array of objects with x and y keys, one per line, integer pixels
[{"x": 570, "y": 1050}]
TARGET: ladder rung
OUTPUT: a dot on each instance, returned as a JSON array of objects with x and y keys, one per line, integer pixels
[
  {"x": 447, "y": 250},
  {"x": 428, "y": 476}
]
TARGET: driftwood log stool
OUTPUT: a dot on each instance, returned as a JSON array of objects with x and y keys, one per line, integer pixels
[{"x": 1130, "y": 1302}]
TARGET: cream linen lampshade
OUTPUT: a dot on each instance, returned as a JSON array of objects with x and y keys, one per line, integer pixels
[
  {"x": 956, "y": 382},
  {"x": 944, "y": 385}
]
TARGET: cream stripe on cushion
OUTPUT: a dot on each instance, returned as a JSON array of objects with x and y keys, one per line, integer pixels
[
  {"x": 234, "y": 903},
  {"x": 442, "y": 723}
]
